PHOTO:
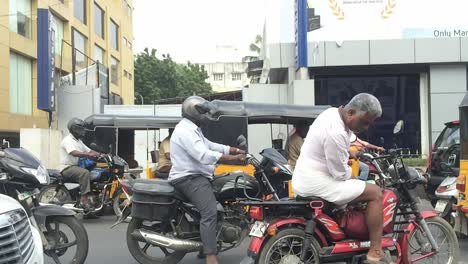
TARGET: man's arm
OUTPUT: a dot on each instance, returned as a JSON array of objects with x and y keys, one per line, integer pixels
[
  {"x": 369, "y": 145},
  {"x": 197, "y": 149},
  {"x": 336, "y": 154}
]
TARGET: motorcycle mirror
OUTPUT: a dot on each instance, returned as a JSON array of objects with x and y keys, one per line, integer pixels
[
  {"x": 353, "y": 138},
  {"x": 241, "y": 142},
  {"x": 98, "y": 148},
  {"x": 399, "y": 126},
  {"x": 5, "y": 144}
]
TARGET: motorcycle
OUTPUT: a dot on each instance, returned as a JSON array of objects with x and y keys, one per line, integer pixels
[
  {"x": 308, "y": 230},
  {"x": 163, "y": 219},
  {"x": 21, "y": 174},
  {"x": 447, "y": 195},
  {"x": 105, "y": 187}
]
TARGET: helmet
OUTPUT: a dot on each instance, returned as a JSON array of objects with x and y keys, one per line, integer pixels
[
  {"x": 77, "y": 128},
  {"x": 196, "y": 109}
]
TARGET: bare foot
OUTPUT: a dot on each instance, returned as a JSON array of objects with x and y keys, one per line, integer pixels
[{"x": 211, "y": 259}]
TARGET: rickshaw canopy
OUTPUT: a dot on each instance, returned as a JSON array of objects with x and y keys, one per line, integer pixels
[
  {"x": 263, "y": 113},
  {"x": 132, "y": 122}
]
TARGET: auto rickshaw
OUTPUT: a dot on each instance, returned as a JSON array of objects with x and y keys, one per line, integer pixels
[
  {"x": 461, "y": 220},
  {"x": 264, "y": 125},
  {"x": 121, "y": 132}
]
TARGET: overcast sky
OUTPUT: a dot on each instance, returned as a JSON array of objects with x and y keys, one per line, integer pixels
[{"x": 191, "y": 29}]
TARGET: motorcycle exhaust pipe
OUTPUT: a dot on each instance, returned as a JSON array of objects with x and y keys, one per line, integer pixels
[{"x": 156, "y": 239}]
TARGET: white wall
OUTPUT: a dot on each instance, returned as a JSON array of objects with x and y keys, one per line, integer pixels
[
  {"x": 448, "y": 85},
  {"x": 44, "y": 144}
]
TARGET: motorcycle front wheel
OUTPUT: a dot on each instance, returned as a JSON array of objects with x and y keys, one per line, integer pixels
[
  {"x": 144, "y": 252},
  {"x": 54, "y": 194},
  {"x": 286, "y": 247},
  {"x": 67, "y": 240},
  {"x": 419, "y": 247}
]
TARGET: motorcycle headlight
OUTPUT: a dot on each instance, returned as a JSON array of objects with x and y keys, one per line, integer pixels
[{"x": 40, "y": 173}]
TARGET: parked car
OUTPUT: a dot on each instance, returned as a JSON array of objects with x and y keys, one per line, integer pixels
[
  {"x": 20, "y": 241},
  {"x": 444, "y": 160}
]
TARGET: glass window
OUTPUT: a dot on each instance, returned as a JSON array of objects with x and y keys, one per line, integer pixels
[
  {"x": 114, "y": 35},
  {"x": 79, "y": 9},
  {"x": 98, "y": 54},
  {"x": 218, "y": 76},
  {"x": 58, "y": 35},
  {"x": 236, "y": 76},
  {"x": 20, "y": 84},
  {"x": 20, "y": 17},
  {"x": 114, "y": 71},
  {"x": 98, "y": 21},
  {"x": 79, "y": 42},
  {"x": 449, "y": 136}
]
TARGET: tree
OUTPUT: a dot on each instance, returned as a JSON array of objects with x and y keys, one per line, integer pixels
[{"x": 164, "y": 78}]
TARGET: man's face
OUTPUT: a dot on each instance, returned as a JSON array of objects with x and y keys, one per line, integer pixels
[{"x": 359, "y": 122}]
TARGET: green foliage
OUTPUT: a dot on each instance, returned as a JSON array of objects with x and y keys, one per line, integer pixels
[
  {"x": 415, "y": 162},
  {"x": 164, "y": 78}
]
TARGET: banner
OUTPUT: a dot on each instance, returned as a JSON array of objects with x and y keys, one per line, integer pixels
[{"x": 337, "y": 20}]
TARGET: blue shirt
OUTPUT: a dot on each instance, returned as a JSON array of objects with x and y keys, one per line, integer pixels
[{"x": 191, "y": 153}]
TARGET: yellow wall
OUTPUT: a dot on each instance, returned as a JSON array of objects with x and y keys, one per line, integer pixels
[{"x": 12, "y": 42}]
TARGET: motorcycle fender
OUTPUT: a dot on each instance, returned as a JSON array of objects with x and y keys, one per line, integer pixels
[
  {"x": 403, "y": 239},
  {"x": 42, "y": 212},
  {"x": 256, "y": 243}
]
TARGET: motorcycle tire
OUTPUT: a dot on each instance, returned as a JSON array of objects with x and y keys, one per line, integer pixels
[
  {"x": 55, "y": 189},
  {"x": 82, "y": 242},
  {"x": 141, "y": 256},
  {"x": 451, "y": 240},
  {"x": 298, "y": 235}
]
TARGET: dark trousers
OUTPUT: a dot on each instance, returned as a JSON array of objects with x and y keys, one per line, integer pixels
[
  {"x": 78, "y": 175},
  {"x": 198, "y": 190}
]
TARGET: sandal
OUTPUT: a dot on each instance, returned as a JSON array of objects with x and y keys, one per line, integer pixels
[{"x": 385, "y": 259}]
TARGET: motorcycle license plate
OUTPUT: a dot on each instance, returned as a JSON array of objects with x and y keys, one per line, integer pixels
[
  {"x": 440, "y": 206},
  {"x": 258, "y": 229}
]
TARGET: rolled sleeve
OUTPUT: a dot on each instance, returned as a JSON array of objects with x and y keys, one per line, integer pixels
[
  {"x": 197, "y": 149},
  {"x": 336, "y": 152},
  {"x": 218, "y": 147}
]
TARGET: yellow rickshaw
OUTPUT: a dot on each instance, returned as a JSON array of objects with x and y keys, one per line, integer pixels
[
  {"x": 461, "y": 222},
  {"x": 264, "y": 125}
]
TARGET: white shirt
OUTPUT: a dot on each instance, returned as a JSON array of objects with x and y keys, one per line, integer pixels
[
  {"x": 191, "y": 153},
  {"x": 70, "y": 144},
  {"x": 325, "y": 149}
]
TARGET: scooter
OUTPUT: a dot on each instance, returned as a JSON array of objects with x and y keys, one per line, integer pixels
[{"x": 447, "y": 195}]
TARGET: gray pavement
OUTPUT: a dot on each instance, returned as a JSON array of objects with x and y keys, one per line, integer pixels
[{"x": 109, "y": 246}]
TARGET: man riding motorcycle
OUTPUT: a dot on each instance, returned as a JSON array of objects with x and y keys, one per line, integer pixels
[
  {"x": 322, "y": 169},
  {"x": 73, "y": 148},
  {"x": 193, "y": 160}
]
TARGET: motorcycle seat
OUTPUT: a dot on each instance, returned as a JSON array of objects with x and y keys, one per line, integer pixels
[
  {"x": 166, "y": 185},
  {"x": 326, "y": 204}
]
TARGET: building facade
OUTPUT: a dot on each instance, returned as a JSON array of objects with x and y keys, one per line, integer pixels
[
  {"x": 98, "y": 30},
  {"x": 417, "y": 68},
  {"x": 226, "y": 76}
]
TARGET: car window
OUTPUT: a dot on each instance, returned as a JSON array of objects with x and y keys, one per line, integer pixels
[{"x": 449, "y": 136}]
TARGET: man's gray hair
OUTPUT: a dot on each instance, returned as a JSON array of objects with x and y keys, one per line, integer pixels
[{"x": 365, "y": 103}]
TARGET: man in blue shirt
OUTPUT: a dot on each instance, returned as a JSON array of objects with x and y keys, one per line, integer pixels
[{"x": 193, "y": 160}]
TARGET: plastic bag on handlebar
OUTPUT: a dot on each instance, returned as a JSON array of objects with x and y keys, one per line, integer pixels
[{"x": 86, "y": 163}]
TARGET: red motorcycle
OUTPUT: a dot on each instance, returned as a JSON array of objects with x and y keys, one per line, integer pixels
[{"x": 310, "y": 230}]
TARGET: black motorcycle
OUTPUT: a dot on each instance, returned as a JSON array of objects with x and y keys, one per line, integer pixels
[
  {"x": 163, "y": 220},
  {"x": 105, "y": 187},
  {"x": 21, "y": 174}
]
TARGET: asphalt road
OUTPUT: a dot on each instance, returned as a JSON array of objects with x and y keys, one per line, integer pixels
[{"x": 109, "y": 246}]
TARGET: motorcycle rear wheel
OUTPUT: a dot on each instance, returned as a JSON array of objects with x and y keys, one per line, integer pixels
[
  {"x": 140, "y": 253},
  {"x": 288, "y": 241},
  {"x": 445, "y": 238}
]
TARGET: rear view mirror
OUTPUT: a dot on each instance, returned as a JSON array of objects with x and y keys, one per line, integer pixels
[
  {"x": 241, "y": 142},
  {"x": 5, "y": 144},
  {"x": 353, "y": 138},
  {"x": 99, "y": 148},
  {"x": 399, "y": 126}
]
